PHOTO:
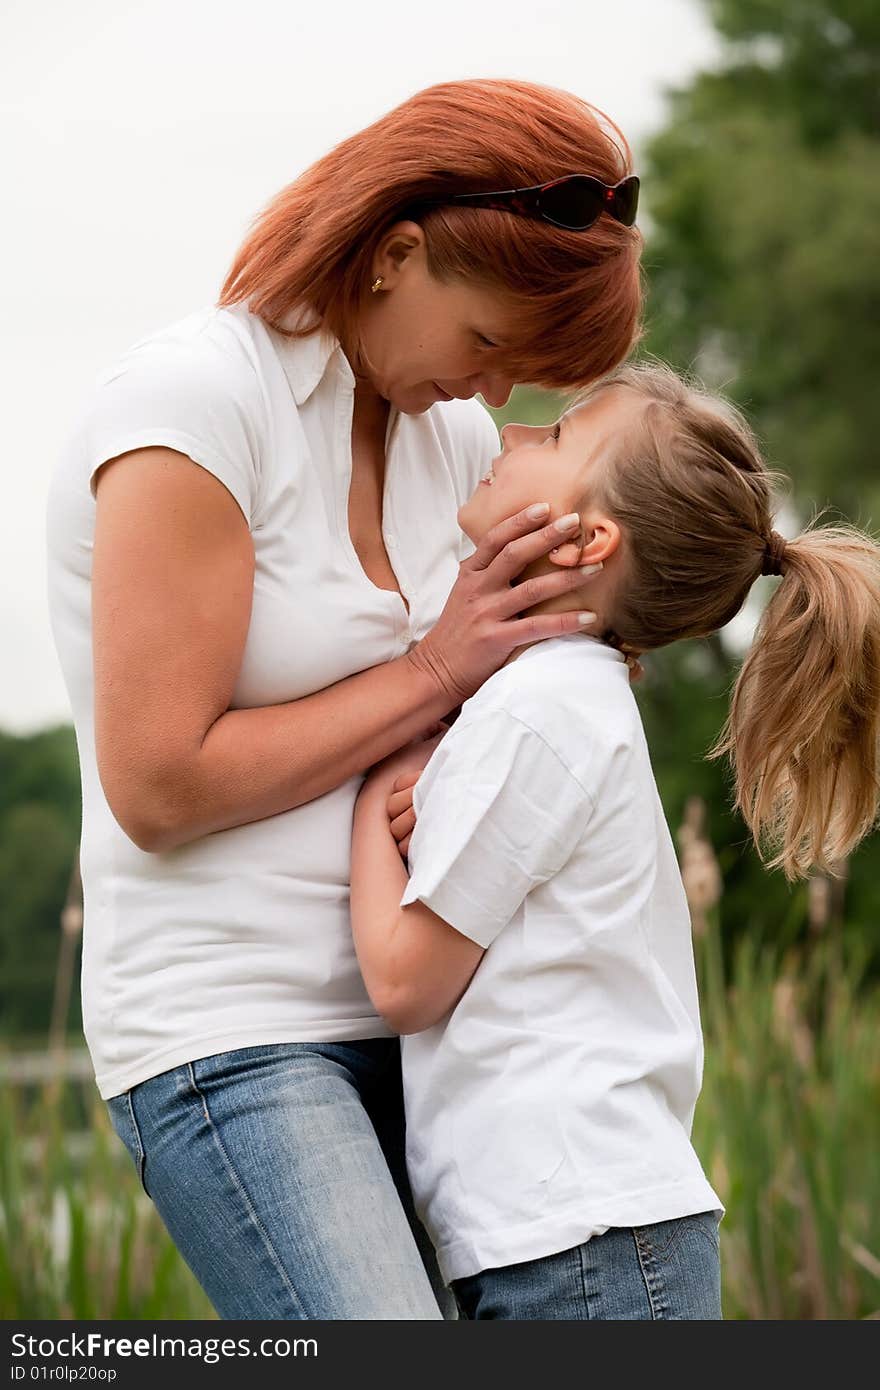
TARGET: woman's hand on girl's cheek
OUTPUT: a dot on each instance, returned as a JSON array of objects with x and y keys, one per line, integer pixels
[{"x": 401, "y": 812}]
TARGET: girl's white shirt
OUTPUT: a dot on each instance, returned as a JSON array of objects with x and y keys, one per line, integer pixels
[
  {"x": 557, "y": 1098},
  {"x": 243, "y": 937}
]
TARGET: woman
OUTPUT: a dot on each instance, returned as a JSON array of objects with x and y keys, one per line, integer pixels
[{"x": 243, "y": 638}]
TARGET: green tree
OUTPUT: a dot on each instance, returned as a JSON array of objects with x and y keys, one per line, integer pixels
[
  {"x": 817, "y": 61},
  {"x": 763, "y": 199},
  {"x": 39, "y": 834}
]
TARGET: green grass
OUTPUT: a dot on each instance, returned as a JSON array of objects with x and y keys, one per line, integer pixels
[
  {"x": 78, "y": 1237},
  {"x": 788, "y": 1128}
]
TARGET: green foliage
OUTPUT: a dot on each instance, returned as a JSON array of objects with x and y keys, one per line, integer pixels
[
  {"x": 41, "y": 767},
  {"x": 39, "y": 835},
  {"x": 817, "y": 58},
  {"x": 78, "y": 1236},
  {"x": 787, "y": 1127},
  {"x": 763, "y": 198}
]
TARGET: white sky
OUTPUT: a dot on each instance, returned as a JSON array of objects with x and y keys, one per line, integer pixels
[{"x": 137, "y": 141}]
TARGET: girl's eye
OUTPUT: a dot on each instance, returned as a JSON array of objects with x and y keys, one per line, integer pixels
[{"x": 485, "y": 342}]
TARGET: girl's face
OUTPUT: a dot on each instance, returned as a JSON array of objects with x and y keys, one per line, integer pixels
[
  {"x": 424, "y": 340},
  {"x": 559, "y": 464}
]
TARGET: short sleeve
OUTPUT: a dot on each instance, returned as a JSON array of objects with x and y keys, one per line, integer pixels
[
  {"x": 497, "y": 813},
  {"x": 189, "y": 396}
]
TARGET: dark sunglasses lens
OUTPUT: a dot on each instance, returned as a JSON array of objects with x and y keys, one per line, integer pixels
[
  {"x": 626, "y": 201},
  {"x": 573, "y": 203}
]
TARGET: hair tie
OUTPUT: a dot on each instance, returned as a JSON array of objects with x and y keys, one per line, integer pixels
[{"x": 774, "y": 554}]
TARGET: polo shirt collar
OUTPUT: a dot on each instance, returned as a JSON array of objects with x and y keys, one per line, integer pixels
[{"x": 305, "y": 360}]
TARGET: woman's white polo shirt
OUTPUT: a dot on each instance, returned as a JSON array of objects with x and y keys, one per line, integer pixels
[{"x": 243, "y": 937}]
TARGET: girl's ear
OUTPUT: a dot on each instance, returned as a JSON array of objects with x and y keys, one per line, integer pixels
[
  {"x": 568, "y": 554},
  {"x": 595, "y": 541}
]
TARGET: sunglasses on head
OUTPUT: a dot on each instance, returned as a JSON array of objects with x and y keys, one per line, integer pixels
[{"x": 573, "y": 202}]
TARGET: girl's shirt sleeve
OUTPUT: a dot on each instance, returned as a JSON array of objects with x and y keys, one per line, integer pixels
[{"x": 498, "y": 813}]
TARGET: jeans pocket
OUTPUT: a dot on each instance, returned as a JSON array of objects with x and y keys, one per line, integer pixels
[
  {"x": 681, "y": 1266},
  {"x": 709, "y": 1223},
  {"x": 661, "y": 1237},
  {"x": 122, "y": 1117}
]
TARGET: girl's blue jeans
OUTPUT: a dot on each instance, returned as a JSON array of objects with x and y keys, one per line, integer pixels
[
  {"x": 670, "y": 1271},
  {"x": 279, "y": 1172}
]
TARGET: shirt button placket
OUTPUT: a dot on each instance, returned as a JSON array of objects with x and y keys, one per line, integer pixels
[
  {"x": 404, "y": 631},
  {"x": 404, "y": 627}
]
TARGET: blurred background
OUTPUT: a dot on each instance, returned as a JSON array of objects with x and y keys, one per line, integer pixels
[{"x": 138, "y": 143}]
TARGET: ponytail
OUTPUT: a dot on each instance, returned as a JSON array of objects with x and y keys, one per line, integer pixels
[{"x": 803, "y": 732}]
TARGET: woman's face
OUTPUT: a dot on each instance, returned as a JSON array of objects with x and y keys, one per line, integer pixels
[
  {"x": 424, "y": 341},
  {"x": 550, "y": 463}
]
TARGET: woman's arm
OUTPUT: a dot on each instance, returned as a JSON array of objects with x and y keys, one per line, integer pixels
[
  {"x": 172, "y": 586},
  {"x": 415, "y": 965}
]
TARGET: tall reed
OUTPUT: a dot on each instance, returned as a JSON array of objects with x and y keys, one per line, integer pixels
[
  {"x": 78, "y": 1237},
  {"x": 788, "y": 1127}
]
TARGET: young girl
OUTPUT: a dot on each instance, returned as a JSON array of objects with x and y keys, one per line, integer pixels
[{"x": 539, "y": 958}]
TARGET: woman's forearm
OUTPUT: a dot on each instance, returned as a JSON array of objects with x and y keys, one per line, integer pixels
[{"x": 255, "y": 763}]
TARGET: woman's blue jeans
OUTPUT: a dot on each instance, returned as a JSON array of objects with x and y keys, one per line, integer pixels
[
  {"x": 279, "y": 1172},
  {"x": 668, "y": 1271}
]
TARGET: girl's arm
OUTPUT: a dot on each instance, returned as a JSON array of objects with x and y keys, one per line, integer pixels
[{"x": 415, "y": 965}]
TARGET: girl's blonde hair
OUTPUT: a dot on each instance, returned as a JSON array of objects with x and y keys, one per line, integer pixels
[{"x": 694, "y": 500}]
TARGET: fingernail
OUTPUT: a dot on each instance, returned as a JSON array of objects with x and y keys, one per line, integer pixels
[
  {"x": 591, "y": 569},
  {"x": 566, "y": 523},
  {"x": 539, "y": 509},
  {"x": 585, "y": 618}
]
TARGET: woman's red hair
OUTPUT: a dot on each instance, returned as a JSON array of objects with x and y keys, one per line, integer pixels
[{"x": 574, "y": 297}]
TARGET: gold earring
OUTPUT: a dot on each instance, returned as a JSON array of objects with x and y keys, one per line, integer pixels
[{"x": 379, "y": 280}]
